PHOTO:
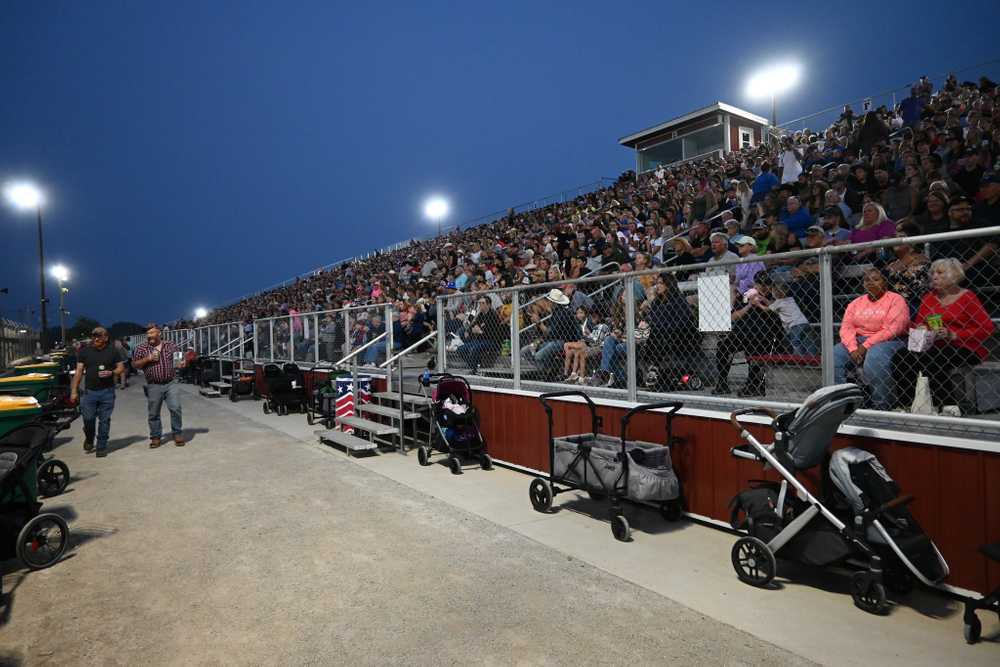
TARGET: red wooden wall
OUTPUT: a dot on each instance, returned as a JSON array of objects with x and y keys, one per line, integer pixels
[{"x": 957, "y": 491}]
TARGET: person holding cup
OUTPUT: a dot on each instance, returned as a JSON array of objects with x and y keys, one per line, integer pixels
[
  {"x": 100, "y": 364},
  {"x": 155, "y": 358}
]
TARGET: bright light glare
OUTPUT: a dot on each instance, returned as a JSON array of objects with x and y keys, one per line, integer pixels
[
  {"x": 23, "y": 195},
  {"x": 436, "y": 208},
  {"x": 200, "y": 313},
  {"x": 773, "y": 80},
  {"x": 60, "y": 273}
]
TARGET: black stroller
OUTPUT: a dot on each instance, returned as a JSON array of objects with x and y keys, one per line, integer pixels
[
  {"x": 38, "y": 540},
  {"x": 861, "y": 518},
  {"x": 322, "y": 405},
  {"x": 456, "y": 424},
  {"x": 611, "y": 468},
  {"x": 284, "y": 392}
]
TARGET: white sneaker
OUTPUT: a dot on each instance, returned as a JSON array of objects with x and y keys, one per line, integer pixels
[
  {"x": 572, "y": 378},
  {"x": 951, "y": 411}
]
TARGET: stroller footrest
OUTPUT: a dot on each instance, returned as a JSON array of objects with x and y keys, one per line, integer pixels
[{"x": 746, "y": 452}]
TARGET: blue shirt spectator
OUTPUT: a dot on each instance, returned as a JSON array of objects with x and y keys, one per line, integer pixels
[
  {"x": 763, "y": 183},
  {"x": 796, "y": 217}
]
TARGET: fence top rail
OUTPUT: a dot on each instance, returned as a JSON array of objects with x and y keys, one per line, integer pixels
[{"x": 701, "y": 266}]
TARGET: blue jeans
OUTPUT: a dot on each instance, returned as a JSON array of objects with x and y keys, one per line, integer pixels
[
  {"x": 547, "y": 352},
  {"x": 877, "y": 370},
  {"x": 97, "y": 404},
  {"x": 613, "y": 354},
  {"x": 373, "y": 353},
  {"x": 155, "y": 395},
  {"x": 803, "y": 340},
  {"x": 473, "y": 352}
]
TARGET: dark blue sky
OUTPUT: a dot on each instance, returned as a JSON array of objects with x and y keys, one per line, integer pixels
[{"x": 196, "y": 151}]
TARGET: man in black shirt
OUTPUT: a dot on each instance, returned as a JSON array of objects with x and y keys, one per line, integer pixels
[{"x": 101, "y": 364}]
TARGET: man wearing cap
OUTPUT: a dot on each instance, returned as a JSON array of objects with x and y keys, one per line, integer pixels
[
  {"x": 719, "y": 244},
  {"x": 557, "y": 326},
  {"x": 762, "y": 235},
  {"x": 101, "y": 364},
  {"x": 155, "y": 358},
  {"x": 747, "y": 246}
]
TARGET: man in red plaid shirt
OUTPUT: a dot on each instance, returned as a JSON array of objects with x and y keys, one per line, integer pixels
[{"x": 155, "y": 358}]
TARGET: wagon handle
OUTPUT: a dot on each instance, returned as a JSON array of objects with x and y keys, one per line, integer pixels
[
  {"x": 671, "y": 408},
  {"x": 594, "y": 419},
  {"x": 733, "y": 416}
]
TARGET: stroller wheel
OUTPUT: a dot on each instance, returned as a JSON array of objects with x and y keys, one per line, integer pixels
[
  {"x": 42, "y": 541},
  {"x": 540, "y": 493},
  {"x": 423, "y": 456},
  {"x": 671, "y": 510},
  {"x": 266, "y": 406},
  {"x": 485, "y": 462},
  {"x": 53, "y": 478},
  {"x": 753, "y": 561},
  {"x": 455, "y": 465},
  {"x": 868, "y": 595},
  {"x": 328, "y": 423},
  {"x": 232, "y": 394},
  {"x": 620, "y": 528},
  {"x": 973, "y": 630},
  {"x": 309, "y": 417}
]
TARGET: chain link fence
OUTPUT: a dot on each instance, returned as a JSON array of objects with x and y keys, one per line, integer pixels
[
  {"x": 16, "y": 340},
  {"x": 910, "y": 321}
]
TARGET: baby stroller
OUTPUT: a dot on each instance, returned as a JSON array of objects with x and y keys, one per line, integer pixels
[
  {"x": 282, "y": 392},
  {"x": 322, "y": 406},
  {"x": 611, "y": 468},
  {"x": 861, "y": 518},
  {"x": 38, "y": 540},
  {"x": 456, "y": 424}
]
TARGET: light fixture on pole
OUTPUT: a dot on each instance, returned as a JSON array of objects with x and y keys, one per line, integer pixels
[
  {"x": 436, "y": 209},
  {"x": 61, "y": 274},
  {"x": 25, "y": 196},
  {"x": 200, "y": 313},
  {"x": 771, "y": 82}
]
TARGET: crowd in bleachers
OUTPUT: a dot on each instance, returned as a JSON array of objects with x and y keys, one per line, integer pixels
[{"x": 928, "y": 166}]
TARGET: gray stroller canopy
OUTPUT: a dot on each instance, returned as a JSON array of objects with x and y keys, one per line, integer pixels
[{"x": 811, "y": 431}]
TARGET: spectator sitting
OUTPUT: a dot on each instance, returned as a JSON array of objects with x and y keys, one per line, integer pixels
[
  {"x": 976, "y": 254},
  {"x": 800, "y": 334},
  {"x": 935, "y": 219},
  {"x": 874, "y": 226},
  {"x": 721, "y": 253},
  {"x": 907, "y": 273},
  {"x": 762, "y": 235},
  {"x": 747, "y": 246},
  {"x": 961, "y": 326},
  {"x": 673, "y": 331},
  {"x": 869, "y": 337},
  {"x": 556, "y": 325},
  {"x": 835, "y": 225},
  {"x": 484, "y": 335},
  {"x": 764, "y": 183},
  {"x": 795, "y": 217}
]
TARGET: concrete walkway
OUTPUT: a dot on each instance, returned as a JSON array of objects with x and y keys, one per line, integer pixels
[{"x": 251, "y": 546}]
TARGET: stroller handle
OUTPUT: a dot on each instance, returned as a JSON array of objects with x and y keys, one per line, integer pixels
[
  {"x": 432, "y": 378},
  {"x": 672, "y": 408},
  {"x": 733, "y": 416}
]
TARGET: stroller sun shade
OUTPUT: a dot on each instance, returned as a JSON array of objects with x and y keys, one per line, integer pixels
[{"x": 811, "y": 431}]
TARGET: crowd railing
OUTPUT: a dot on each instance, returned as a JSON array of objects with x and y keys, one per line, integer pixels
[
  {"x": 709, "y": 334},
  {"x": 16, "y": 340}
]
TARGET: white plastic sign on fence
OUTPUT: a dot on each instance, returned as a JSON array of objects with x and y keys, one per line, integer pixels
[{"x": 714, "y": 304}]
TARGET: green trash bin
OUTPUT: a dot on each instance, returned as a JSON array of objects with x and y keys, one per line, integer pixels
[
  {"x": 17, "y": 411},
  {"x": 50, "y": 367},
  {"x": 39, "y": 385}
]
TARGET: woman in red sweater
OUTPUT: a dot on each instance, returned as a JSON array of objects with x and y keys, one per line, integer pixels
[{"x": 961, "y": 326}]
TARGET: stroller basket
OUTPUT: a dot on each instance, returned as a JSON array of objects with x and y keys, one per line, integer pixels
[{"x": 651, "y": 476}]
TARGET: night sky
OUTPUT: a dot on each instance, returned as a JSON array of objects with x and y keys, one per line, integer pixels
[{"x": 192, "y": 152}]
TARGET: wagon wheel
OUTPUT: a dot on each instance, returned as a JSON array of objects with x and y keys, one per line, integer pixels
[
  {"x": 540, "y": 493},
  {"x": 53, "y": 478},
  {"x": 671, "y": 510},
  {"x": 42, "y": 541},
  {"x": 753, "y": 561},
  {"x": 868, "y": 595},
  {"x": 620, "y": 528}
]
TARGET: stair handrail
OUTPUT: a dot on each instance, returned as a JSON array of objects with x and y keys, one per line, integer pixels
[
  {"x": 364, "y": 347},
  {"x": 403, "y": 353}
]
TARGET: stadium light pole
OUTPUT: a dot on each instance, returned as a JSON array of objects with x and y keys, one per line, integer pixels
[
  {"x": 25, "y": 196},
  {"x": 771, "y": 82},
  {"x": 436, "y": 209},
  {"x": 61, "y": 274},
  {"x": 200, "y": 313}
]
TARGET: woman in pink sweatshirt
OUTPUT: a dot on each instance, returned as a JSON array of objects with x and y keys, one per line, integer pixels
[{"x": 870, "y": 334}]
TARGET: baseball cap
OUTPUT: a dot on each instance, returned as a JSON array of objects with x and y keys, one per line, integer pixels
[
  {"x": 760, "y": 224},
  {"x": 831, "y": 210},
  {"x": 743, "y": 239},
  {"x": 815, "y": 229}
]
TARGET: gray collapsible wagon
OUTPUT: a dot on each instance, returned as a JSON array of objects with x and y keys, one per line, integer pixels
[{"x": 611, "y": 468}]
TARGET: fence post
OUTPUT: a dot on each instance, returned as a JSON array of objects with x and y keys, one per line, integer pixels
[
  {"x": 347, "y": 332},
  {"x": 270, "y": 334},
  {"x": 387, "y": 318},
  {"x": 630, "y": 365},
  {"x": 826, "y": 316},
  {"x": 515, "y": 337},
  {"x": 442, "y": 338}
]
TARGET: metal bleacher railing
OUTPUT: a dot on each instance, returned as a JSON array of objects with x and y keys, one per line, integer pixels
[{"x": 715, "y": 337}]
